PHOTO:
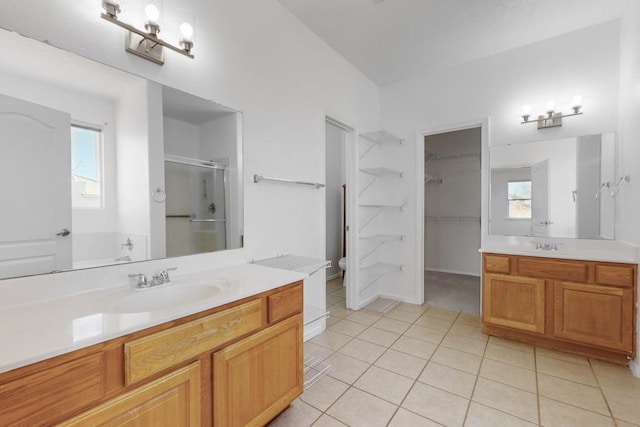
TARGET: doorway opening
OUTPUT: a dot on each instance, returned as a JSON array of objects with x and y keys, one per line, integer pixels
[{"x": 452, "y": 207}]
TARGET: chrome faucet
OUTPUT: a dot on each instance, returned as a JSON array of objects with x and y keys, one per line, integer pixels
[
  {"x": 142, "y": 280},
  {"x": 546, "y": 246},
  {"x": 128, "y": 244},
  {"x": 162, "y": 277}
]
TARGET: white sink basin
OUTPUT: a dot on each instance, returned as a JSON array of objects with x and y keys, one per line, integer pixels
[{"x": 171, "y": 295}]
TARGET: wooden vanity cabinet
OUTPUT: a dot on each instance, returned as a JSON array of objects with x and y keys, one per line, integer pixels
[
  {"x": 198, "y": 370},
  {"x": 583, "y": 307}
]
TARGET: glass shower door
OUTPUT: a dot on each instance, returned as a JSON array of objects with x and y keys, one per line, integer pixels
[{"x": 195, "y": 206}]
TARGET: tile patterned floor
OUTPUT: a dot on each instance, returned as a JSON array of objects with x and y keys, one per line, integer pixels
[{"x": 425, "y": 366}]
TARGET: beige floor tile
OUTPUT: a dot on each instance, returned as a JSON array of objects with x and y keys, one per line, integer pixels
[
  {"x": 466, "y": 362},
  {"x": 567, "y": 370},
  {"x": 516, "y": 345},
  {"x": 316, "y": 351},
  {"x": 541, "y": 351},
  {"x": 433, "y": 323},
  {"x": 404, "y": 418},
  {"x": 332, "y": 299},
  {"x": 331, "y": 340},
  {"x": 621, "y": 423},
  {"x": 298, "y": 414},
  {"x": 392, "y": 325},
  {"x": 558, "y": 414},
  {"x": 345, "y": 368},
  {"x": 414, "y": 347},
  {"x": 469, "y": 319},
  {"x": 403, "y": 316},
  {"x": 483, "y": 416},
  {"x": 624, "y": 407},
  {"x": 332, "y": 321},
  {"x": 459, "y": 342},
  {"x": 401, "y": 363},
  {"x": 357, "y": 408},
  {"x": 340, "y": 292},
  {"x": 425, "y": 334},
  {"x": 363, "y": 317},
  {"x": 448, "y": 379},
  {"x": 516, "y": 402},
  {"x": 439, "y": 313},
  {"x": 347, "y": 327},
  {"x": 618, "y": 379},
  {"x": 379, "y": 336},
  {"x": 328, "y": 421},
  {"x": 413, "y": 308},
  {"x": 384, "y": 384},
  {"x": 468, "y": 331},
  {"x": 522, "y": 359},
  {"x": 338, "y": 310},
  {"x": 363, "y": 350},
  {"x": 324, "y": 392},
  {"x": 437, "y": 405},
  {"x": 504, "y": 373},
  {"x": 576, "y": 394}
]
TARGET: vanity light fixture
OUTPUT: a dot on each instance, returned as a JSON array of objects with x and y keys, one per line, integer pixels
[
  {"x": 147, "y": 44},
  {"x": 552, "y": 118}
]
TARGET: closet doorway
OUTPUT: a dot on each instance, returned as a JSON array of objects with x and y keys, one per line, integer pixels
[
  {"x": 452, "y": 207},
  {"x": 338, "y": 141}
]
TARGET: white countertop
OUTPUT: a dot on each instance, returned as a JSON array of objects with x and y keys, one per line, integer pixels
[
  {"x": 582, "y": 249},
  {"x": 34, "y": 331}
]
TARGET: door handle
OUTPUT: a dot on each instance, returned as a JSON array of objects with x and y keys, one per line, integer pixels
[{"x": 64, "y": 232}]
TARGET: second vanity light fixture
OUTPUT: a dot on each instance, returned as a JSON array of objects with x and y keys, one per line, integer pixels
[
  {"x": 552, "y": 118},
  {"x": 147, "y": 44}
]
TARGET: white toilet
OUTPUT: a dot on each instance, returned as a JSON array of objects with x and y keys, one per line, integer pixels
[{"x": 343, "y": 265}]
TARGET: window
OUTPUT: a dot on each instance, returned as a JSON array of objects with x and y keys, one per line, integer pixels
[
  {"x": 519, "y": 195},
  {"x": 86, "y": 170}
]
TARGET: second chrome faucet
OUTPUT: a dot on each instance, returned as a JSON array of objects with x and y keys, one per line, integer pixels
[{"x": 160, "y": 278}]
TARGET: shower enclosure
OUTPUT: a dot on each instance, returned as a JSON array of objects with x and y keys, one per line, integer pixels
[{"x": 196, "y": 205}]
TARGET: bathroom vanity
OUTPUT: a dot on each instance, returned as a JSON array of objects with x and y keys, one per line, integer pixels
[
  {"x": 235, "y": 359},
  {"x": 585, "y": 307}
]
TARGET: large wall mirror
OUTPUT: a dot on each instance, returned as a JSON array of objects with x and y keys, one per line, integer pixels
[
  {"x": 556, "y": 188},
  {"x": 100, "y": 167}
]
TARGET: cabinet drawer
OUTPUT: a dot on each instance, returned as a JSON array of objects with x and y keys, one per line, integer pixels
[
  {"x": 47, "y": 395},
  {"x": 154, "y": 353},
  {"x": 616, "y": 275},
  {"x": 173, "y": 400},
  {"x": 553, "y": 269},
  {"x": 285, "y": 303},
  {"x": 497, "y": 264}
]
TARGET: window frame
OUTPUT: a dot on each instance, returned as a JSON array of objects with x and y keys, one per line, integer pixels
[{"x": 99, "y": 160}]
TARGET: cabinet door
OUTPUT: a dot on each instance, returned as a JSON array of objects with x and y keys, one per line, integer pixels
[
  {"x": 172, "y": 401},
  {"x": 514, "y": 301},
  {"x": 258, "y": 377},
  {"x": 595, "y": 315}
]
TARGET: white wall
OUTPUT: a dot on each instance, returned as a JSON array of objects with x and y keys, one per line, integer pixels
[
  {"x": 628, "y": 201},
  {"x": 496, "y": 87},
  {"x": 335, "y": 138},
  {"x": 255, "y": 57}
]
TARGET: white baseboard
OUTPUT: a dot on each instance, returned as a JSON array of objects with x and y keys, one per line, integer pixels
[{"x": 334, "y": 276}]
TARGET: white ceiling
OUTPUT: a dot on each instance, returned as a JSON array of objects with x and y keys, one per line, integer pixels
[{"x": 395, "y": 40}]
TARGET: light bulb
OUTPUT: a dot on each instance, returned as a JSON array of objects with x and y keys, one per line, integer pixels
[
  {"x": 576, "y": 101},
  {"x": 550, "y": 105},
  {"x": 152, "y": 13},
  {"x": 186, "y": 30},
  {"x": 526, "y": 110}
]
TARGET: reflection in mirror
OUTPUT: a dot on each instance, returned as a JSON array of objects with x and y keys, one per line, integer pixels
[
  {"x": 554, "y": 188},
  {"x": 90, "y": 167}
]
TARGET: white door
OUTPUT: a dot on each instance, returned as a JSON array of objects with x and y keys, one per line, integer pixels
[
  {"x": 35, "y": 188},
  {"x": 540, "y": 222}
]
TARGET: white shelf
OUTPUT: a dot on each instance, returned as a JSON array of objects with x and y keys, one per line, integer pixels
[
  {"x": 295, "y": 263},
  {"x": 381, "y": 137},
  {"x": 313, "y": 314},
  {"x": 383, "y": 237},
  {"x": 429, "y": 157},
  {"x": 367, "y": 205},
  {"x": 378, "y": 270},
  {"x": 314, "y": 370},
  {"x": 379, "y": 171}
]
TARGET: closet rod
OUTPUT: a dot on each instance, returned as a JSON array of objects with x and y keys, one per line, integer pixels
[
  {"x": 453, "y": 218},
  {"x": 194, "y": 162},
  {"x": 258, "y": 178}
]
